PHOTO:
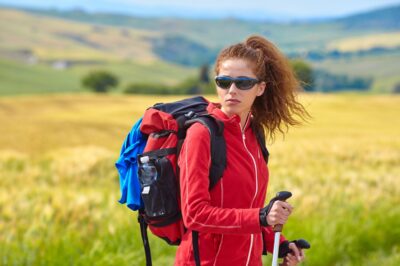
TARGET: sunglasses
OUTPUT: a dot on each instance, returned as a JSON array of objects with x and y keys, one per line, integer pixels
[{"x": 242, "y": 83}]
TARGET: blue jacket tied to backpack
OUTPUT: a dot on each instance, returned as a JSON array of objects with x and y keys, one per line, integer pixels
[{"x": 128, "y": 168}]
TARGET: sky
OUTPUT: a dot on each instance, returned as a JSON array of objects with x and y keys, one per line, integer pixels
[{"x": 248, "y": 9}]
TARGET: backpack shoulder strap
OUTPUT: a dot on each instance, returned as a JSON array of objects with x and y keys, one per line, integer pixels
[
  {"x": 218, "y": 145},
  {"x": 260, "y": 135}
]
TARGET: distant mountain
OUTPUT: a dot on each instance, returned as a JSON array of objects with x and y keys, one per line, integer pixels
[
  {"x": 216, "y": 33},
  {"x": 380, "y": 18},
  {"x": 386, "y": 18}
]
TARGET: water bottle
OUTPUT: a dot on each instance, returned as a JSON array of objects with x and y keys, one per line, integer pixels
[
  {"x": 152, "y": 193},
  {"x": 147, "y": 172}
]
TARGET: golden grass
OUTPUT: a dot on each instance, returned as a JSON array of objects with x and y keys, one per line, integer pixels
[
  {"x": 386, "y": 40},
  {"x": 59, "y": 188}
]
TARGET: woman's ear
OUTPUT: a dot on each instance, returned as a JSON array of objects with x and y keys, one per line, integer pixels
[{"x": 261, "y": 88}]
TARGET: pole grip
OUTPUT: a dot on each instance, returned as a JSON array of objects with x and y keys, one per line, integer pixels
[
  {"x": 302, "y": 243},
  {"x": 282, "y": 196}
]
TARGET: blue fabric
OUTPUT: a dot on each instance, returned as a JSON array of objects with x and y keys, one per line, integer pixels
[{"x": 128, "y": 169}]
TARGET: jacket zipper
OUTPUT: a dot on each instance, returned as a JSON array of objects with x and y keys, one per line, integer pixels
[{"x": 255, "y": 194}]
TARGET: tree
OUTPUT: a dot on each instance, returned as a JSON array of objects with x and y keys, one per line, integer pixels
[
  {"x": 304, "y": 73},
  {"x": 396, "y": 88},
  {"x": 99, "y": 81},
  {"x": 204, "y": 74}
]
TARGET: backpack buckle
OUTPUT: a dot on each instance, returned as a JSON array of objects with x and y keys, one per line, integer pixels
[{"x": 190, "y": 115}]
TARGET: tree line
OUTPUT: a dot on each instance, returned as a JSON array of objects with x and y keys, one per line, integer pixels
[{"x": 310, "y": 80}]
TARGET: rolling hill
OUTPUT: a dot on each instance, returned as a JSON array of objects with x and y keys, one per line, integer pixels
[
  {"x": 52, "y": 38},
  {"x": 168, "y": 50},
  {"x": 219, "y": 32},
  {"x": 383, "y": 18},
  {"x": 32, "y": 46}
]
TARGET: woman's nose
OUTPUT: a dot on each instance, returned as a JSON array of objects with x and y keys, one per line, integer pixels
[{"x": 232, "y": 88}]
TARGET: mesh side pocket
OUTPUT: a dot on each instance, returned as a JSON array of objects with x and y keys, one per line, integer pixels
[{"x": 160, "y": 196}]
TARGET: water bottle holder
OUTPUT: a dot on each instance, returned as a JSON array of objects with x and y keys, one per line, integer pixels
[{"x": 160, "y": 195}]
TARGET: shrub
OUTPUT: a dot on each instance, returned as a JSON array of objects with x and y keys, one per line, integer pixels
[
  {"x": 304, "y": 73},
  {"x": 99, "y": 81},
  {"x": 396, "y": 88}
]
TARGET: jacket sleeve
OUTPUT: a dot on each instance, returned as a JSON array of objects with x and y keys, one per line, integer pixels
[
  {"x": 197, "y": 212},
  {"x": 268, "y": 236}
]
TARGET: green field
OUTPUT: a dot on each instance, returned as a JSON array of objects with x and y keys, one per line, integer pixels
[
  {"x": 21, "y": 78},
  {"x": 59, "y": 188}
]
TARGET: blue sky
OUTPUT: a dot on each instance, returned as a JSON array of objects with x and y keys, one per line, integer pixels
[{"x": 278, "y": 9}]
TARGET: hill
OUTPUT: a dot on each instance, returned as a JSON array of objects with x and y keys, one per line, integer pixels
[
  {"x": 40, "y": 54},
  {"x": 380, "y": 19},
  {"x": 384, "y": 19},
  {"x": 209, "y": 35},
  {"x": 52, "y": 39},
  {"x": 167, "y": 50}
]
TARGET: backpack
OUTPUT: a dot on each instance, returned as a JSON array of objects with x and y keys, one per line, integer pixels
[{"x": 159, "y": 136}]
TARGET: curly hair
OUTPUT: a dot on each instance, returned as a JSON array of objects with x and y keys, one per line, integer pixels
[{"x": 277, "y": 108}]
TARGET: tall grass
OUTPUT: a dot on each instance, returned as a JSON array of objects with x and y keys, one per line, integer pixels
[{"x": 59, "y": 189}]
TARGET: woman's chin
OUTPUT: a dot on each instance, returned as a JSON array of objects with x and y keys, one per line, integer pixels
[{"x": 230, "y": 110}]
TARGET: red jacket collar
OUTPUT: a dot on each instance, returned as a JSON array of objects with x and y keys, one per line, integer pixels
[{"x": 215, "y": 110}]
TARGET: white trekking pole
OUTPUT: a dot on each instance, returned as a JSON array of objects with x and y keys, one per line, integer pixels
[{"x": 282, "y": 196}]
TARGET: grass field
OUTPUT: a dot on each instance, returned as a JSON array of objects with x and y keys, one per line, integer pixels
[
  {"x": 20, "y": 78},
  {"x": 59, "y": 188}
]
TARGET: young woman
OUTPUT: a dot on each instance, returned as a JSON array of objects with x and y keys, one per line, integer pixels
[{"x": 256, "y": 89}]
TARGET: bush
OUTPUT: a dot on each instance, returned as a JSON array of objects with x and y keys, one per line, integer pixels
[
  {"x": 304, "y": 73},
  {"x": 99, "y": 81},
  {"x": 328, "y": 82},
  {"x": 396, "y": 88}
]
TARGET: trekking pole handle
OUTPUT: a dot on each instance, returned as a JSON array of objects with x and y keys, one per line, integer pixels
[
  {"x": 302, "y": 243},
  {"x": 282, "y": 196}
]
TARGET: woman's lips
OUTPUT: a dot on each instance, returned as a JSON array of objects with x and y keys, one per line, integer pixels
[{"x": 232, "y": 101}]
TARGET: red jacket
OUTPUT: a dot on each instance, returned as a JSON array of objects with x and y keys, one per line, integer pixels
[{"x": 227, "y": 217}]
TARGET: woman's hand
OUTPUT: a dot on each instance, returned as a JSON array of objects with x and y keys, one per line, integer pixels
[
  {"x": 279, "y": 213},
  {"x": 294, "y": 257}
]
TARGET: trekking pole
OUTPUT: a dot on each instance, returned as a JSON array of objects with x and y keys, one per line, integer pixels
[{"x": 282, "y": 196}]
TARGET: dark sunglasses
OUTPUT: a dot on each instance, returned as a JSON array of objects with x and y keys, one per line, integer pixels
[{"x": 242, "y": 83}]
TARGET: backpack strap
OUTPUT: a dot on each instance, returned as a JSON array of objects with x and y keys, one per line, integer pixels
[
  {"x": 218, "y": 161},
  {"x": 218, "y": 145},
  {"x": 145, "y": 239},
  {"x": 195, "y": 242},
  {"x": 260, "y": 135}
]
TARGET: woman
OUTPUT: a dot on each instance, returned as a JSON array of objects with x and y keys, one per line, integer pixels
[{"x": 256, "y": 89}]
